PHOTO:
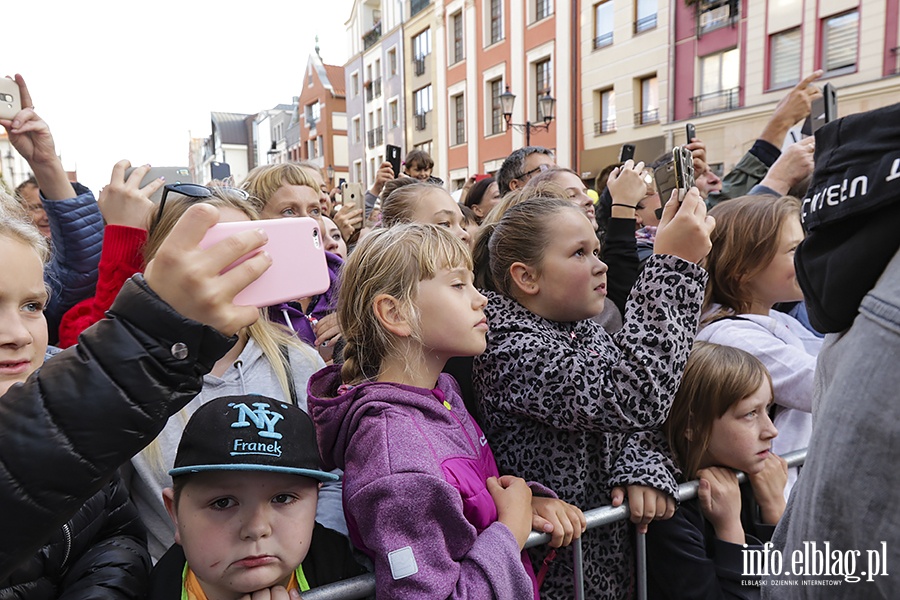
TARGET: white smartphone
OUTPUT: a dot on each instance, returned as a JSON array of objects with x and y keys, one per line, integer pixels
[
  {"x": 10, "y": 99},
  {"x": 172, "y": 175},
  {"x": 298, "y": 266}
]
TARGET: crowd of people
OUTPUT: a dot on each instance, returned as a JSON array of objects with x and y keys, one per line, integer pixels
[{"x": 476, "y": 370}]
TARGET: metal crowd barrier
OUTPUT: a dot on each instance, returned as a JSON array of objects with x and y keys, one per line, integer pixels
[{"x": 364, "y": 585}]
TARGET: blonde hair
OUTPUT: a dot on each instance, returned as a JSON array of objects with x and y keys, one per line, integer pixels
[
  {"x": 715, "y": 377},
  {"x": 389, "y": 261},
  {"x": 269, "y": 336},
  {"x": 400, "y": 205},
  {"x": 263, "y": 181},
  {"x": 16, "y": 225},
  {"x": 744, "y": 242}
]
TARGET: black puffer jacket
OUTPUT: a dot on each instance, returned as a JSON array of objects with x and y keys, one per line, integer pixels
[
  {"x": 101, "y": 552},
  {"x": 65, "y": 431}
]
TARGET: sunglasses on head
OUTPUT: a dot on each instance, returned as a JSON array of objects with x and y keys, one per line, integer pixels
[
  {"x": 541, "y": 168},
  {"x": 193, "y": 191}
]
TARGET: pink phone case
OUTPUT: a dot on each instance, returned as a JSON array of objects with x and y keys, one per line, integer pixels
[{"x": 298, "y": 266}]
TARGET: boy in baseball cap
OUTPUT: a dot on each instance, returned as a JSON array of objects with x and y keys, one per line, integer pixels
[{"x": 245, "y": 487}]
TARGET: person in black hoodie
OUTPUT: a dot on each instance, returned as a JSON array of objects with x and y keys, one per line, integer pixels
[
  {"x": 719, "y": 424},
  {"x": 101, "y": 552},
  {"x": 67, "y": 426}
]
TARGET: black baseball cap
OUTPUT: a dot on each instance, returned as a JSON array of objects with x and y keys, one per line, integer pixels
[{"x": 250, "y": 433}]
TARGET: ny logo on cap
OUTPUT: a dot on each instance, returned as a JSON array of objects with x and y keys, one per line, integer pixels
[{"x": 264, "y": 419}]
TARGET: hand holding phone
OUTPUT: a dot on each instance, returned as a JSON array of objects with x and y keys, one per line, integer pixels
[
  {"x": 675, "y": 174},
  {"x": 626, "y": 152},
  {"x": 354, "y": 197},
  {"x": 393, "y": 157},
  {"x": 298, "y": 270}
]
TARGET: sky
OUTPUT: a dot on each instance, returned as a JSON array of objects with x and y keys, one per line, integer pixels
[{"x": 131, "y": 80}]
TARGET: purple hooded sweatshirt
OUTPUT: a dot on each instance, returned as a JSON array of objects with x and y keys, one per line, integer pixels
[
  {"x": 292, "y": 315},
  {"x": 415, "y": 492}
]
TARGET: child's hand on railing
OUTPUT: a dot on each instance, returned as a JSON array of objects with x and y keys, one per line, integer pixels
[
  {"x": 720, "y": 502},
  {"x": 645, "y": 503},
  {"x": 513, "y": 499},
  {"x": 560, "y": 519},
  {"x": 768, "y": 488}
]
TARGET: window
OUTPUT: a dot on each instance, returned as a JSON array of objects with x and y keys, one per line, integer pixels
[
  {"x": 649, "y": 101},
  {"x": 313, "y": 112},
  {"x": 356, "y": 130},
  {"x": 496, "y": 108},
  {"x": 784, "y": 58},
  {"x": 357, "y": 171},
  {"x": 422, "y": 100},
  {"x": 321, "y": 145},
  {"x": 645, "y": 15},
  {"x": 840, "y": 38},
  {"x": 309, "y": 78},
  {"x": 426, "y": 146},
  {"x": 603, "y": 24},
  {"x": 459, "y": 111},
  {"x": 422, "y": 44},
  {"x": 496, "y": 21},
  {"x": 542, "y": 9},
  {"x": 354, "y": 84},
  {"x": 372, "y": 170},
  {"x": 607, "y": 122},
  {"x": 541, "y": 85},
  {"x": 393, "y": 114},
  {"x": 392, "y": 61},
  {"x": 719, "y": 81},
  {"x": 458, "y": 50}
]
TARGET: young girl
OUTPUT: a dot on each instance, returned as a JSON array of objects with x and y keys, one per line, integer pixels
[
  {"x": 101, "y": 550},
  {"x": 422, "y": 493},
  {"x": 751, "y": 268},
  {"x": 423, "y": 203},
  {"x": 564, "y": 402},
  {"x": 719, "y": 423}
]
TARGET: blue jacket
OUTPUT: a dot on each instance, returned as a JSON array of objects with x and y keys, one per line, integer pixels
[{"x": 76, "y": 227}]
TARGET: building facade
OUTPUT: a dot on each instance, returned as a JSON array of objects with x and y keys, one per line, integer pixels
[
  {"x": 374, "y": 79},
  {"x": 322, "y": 120}
]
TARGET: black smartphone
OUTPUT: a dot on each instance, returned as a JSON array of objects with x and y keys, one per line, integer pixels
[
  {"x": 626, "y": 152},
  {"x": 393, "y": 157},
  {"x": 677, "y": 173},
  {"x": 822, "y": 110},
  {"x": 690, "y": 131}
]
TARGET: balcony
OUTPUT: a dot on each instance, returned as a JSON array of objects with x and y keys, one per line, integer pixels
[
  {"x": 706, "y": 104},
  {"x": 417, "y": 6},
  {"x": 419, "y": 65},
  {"x": 370, "y": 92},
  {"x": 647, "y": 117},
  {"x": 714, "y": 14},
  {"x": 607, "y": 126},
  {"x": 421, "y": 121},
  {"x": 602, "y": 41},
  {"x": 376, "y": 88},
  {"x": 645, "y": 23},
  {"x": 371, "y": 37},
  {"x": 379, "y": 135}
]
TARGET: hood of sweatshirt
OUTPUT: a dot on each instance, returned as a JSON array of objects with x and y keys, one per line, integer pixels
[{"x": 336, "y": 412}]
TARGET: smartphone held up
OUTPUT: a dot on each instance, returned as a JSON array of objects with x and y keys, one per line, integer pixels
[{"x": 298, "y": 269}]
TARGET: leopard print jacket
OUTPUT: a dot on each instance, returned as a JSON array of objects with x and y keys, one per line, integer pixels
[{"x": 570, "y": 406}]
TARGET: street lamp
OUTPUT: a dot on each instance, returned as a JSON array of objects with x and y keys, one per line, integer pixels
[
  {"x": 329, "y": 171},
  {"x": 546, "y": 106}
]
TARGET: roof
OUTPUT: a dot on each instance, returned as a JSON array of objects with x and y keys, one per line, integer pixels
[
  {"x": 335, "y": 76},
  {"x": 231, "y": 127}
]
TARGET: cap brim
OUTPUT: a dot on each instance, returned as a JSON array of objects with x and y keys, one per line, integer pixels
[{"x": 311, "y": 473}]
